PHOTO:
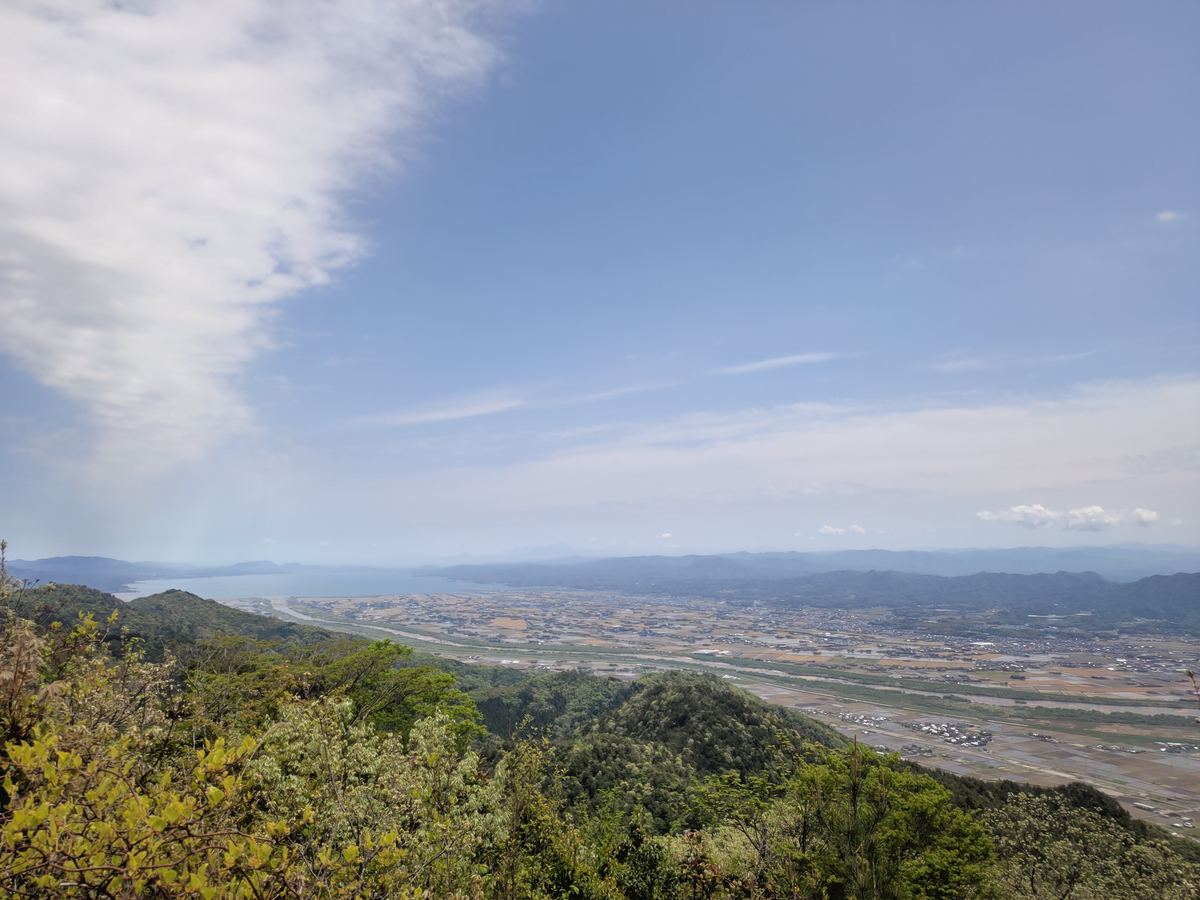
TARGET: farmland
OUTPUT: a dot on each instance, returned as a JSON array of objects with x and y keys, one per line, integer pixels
[{"x": 1111, "y": 709}]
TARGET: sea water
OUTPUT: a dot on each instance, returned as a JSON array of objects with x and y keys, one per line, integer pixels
[{"x": 344, "y": 583}]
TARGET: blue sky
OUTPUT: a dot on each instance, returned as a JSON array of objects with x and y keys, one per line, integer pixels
[{"x": 400, "y": 281}]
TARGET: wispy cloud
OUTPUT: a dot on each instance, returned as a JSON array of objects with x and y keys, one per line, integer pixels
[
  {"x": 962, "y": 361},
  {"x": 917, "y": 473},
  {"x": 762, "y": 459},
  {"x": 611, "y": 393},
  {"x": 778, "y": 362},
  {"x": 1084, "y": 518},
  {"x": 1168, "y": 216},
  {"x": 453, "y": 410},
  {"x": 499, "y": 401},
  {"x": 169, "y": 172}
]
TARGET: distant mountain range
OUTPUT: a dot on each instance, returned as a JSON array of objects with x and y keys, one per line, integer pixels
[
  {"x": 1116, "y": 563},
  {"x": 796, "y": 579}
]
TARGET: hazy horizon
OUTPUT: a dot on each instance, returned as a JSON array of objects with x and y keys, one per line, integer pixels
[{"x": 563, "y": 553}]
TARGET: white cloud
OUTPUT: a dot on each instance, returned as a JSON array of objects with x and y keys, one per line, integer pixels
[
  {"x": 1032, "y": 515},
  {"x": 1167, "y": 216},
  {"x": 170, "y": 171},
  {"x": 779, "y": 362},
  {"x": 1084, "y": 518},
  {"x": 1091, "y": 518},
  {"x": 665, "y": 536},
  {"x": 837, "y": 530},
  {"x": 1142, "y": 516}
]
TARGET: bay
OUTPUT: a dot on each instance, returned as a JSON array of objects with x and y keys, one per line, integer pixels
[{"x": 321, "y": 583}]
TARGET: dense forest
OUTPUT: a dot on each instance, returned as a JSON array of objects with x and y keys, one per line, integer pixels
[{"x": 175, "y": 747}]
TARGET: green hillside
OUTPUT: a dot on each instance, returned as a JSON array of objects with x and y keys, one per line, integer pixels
[
  {"x": 713, "y": 726},
  {"x": 161, "y": 621}
]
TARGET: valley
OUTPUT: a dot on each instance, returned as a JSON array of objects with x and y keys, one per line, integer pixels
[{"x": 1039, "y": 702}]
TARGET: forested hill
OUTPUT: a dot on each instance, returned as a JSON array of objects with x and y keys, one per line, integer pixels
[
  {"x": 1171, "y": 598},
  {"x": 264, "y": 759},
  {"x": 159, "y": 621}
]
